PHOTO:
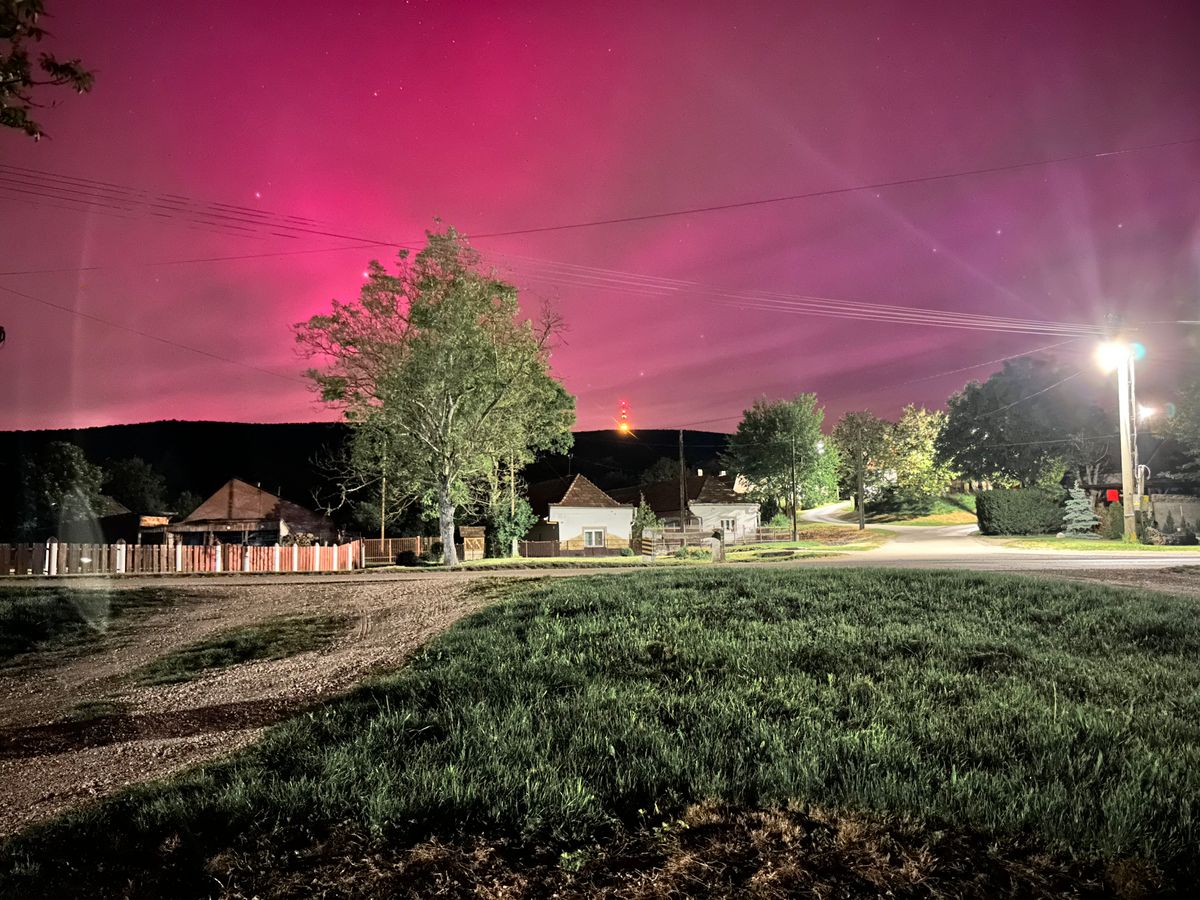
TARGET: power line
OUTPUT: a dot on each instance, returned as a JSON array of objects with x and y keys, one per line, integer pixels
[
  {"x": 146, "y": 334},
  {"x": 830, "y": 192}
]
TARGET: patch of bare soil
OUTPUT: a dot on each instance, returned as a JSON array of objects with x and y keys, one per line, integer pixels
[
  {"x": 712, "y": 851},
  {"x": 1173, "y": 580},
  {"x": 51, "y": 759}
]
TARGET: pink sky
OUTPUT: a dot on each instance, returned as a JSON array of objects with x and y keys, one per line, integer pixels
[{"x": 503, "y": 116}]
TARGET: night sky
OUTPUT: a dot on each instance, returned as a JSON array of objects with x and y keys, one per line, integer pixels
[{"x": 231, "y": 129}]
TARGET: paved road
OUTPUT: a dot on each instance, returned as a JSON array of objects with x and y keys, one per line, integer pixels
[{"x": 961, "y": 547}]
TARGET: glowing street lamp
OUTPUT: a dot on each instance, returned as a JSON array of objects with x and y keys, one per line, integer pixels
[{"x": 1119, "y": 355}]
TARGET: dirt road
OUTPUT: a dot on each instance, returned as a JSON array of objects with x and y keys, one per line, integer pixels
[{"x": 51, "y": 759}]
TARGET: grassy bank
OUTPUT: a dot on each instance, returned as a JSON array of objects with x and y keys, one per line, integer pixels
[
  {"x": 47, "y": 618},
  {"x": 1050, "y": 542},
  {"x": 274, "y": 639},
  {"x": 582, "y": 712},
  {"x": 952, "y": 509}
]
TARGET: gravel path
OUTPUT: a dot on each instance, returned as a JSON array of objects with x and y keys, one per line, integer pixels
[{"x": 49, "y": 763}]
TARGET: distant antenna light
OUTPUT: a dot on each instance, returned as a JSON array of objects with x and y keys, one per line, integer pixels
[{"x": 623, "y": 426}]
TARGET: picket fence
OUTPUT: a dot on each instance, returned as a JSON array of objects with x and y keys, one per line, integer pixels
[{"x": 54, "y": 558}]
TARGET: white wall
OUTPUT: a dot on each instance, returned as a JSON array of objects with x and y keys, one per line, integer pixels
[
  {"x": 711, "y": 514},
  {"x": 618, "y": 521}
]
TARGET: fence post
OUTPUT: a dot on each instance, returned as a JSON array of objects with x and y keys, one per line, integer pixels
[
  {"x": 178, "y": 557},
  {"x": 218, "y": 565},
  {"x": 121, "y": 548},
  {"x": 295, "y": 557},
  {"x": 275, "y": 557},
  {"x": 245, "y": 557},
  {"x": 362, "y": 553},
  {"x": 52, "y": 556}
]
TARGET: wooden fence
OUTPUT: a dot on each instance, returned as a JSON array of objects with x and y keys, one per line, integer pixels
[
  {"x": 53, "y": 558},
  {"x": 388, "y": 551},
  {"x": 543, "y": 549}
]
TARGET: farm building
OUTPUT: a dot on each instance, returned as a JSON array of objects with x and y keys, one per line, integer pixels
[{"x": 241, "y": 513}]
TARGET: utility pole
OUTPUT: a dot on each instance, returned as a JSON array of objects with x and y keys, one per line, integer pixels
[
  {"x": 1128, "y": 487},
  {"x": 794, "y": 534},
  {"x": 682, "y": 487},
  {"x": 862, "y": 511},
  {"x": 512, "y": 499},
  {"x": 382, "y": 502}
]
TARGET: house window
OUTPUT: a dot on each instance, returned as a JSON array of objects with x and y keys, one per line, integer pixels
[
  {"x": 729, "y": 524},
  {"x": 593, "y": 537}
]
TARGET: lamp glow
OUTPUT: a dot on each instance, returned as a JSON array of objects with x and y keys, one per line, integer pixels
[
  {"x": 1111, "y": 354},
  {"x": 1145, "y": 412}
]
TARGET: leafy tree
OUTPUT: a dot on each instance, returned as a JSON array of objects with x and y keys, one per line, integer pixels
[
  {"x": 57, "y": 484},
  {"x": 778, "y": 447},
  {"x": 1025, "y": 425},
  {"x": 644, "y": 519},
  {"x": 912, "y": 453},
  {"x": 19, "y": 27},
  {"x": 135, "y": 484},
  {"x": 439, "y": 378},
  {"x": 820, "y": 483},
  {"x": 1185, "y": 425},
  {"x": 665, "y": 468},
  {"x": 510, "y": 521},
  {"x": 862, "y": 438},
  {"x": 186, "y": 503}
]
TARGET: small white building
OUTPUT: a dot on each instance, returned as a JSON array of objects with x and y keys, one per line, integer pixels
[
  {"x": 718, "y": 505},
  {"x": 579, "y": 515},
  {"x": 713, "y": 502}
]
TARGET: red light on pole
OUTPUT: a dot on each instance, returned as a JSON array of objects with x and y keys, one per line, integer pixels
[{"x": 1112, "y": 495}]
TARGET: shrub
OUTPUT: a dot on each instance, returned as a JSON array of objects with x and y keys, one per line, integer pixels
[
  {"x": 692, "y": 553},
  {"x": 1112, "y": 522},
  {"x": 627, "y": 551},
  {"x": 1020, "y": 511},
  {"x": 1169, "y": 525},
  {"x": 1080, "y": 519}
]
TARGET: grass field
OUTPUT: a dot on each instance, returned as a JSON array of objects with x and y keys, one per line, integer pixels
[
  {"x": 273, "y": 639},
  {"x": 813, "y": 541},
  {"x": 42, "y": 618},
  {"x": 1050, "y": 542},
  {"x": 584, "y": 715},
  {"x": 952, "y": 509}
]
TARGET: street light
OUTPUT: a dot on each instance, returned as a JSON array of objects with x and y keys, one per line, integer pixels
[{"x": 1119, "y": 355}]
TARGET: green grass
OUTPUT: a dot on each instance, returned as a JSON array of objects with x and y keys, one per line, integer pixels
[
  {"x": 1050, "y": 542},
  {"x": 1000, "y": 705},
  {"x": 274, "y": 639},
  {"x": 46, "y": 618},
  {"x": 952, "y": 509}
]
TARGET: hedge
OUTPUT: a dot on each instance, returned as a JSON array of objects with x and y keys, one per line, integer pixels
[{"x": 1020, "y": 511}]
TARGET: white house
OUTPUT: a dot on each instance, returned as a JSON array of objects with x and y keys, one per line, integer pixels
[
  {"x": 718, "y": 504},
  {"x": 713, "y": 501},
  {"x": 577, "y": 514}
]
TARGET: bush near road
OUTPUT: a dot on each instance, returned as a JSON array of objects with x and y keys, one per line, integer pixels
[
  {"x": 1046, "y": 725},
  {"x": 1020, "y": 510}
]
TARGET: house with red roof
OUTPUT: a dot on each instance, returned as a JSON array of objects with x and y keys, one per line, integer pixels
[{"x": 579, "y": 515}]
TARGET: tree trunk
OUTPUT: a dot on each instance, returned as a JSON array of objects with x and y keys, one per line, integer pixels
[
  {"x": 446, "y": 524},
  {"x": 862, "y": 511}
]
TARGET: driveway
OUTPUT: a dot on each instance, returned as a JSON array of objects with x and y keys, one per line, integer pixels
[{"x": 961, "y": 547}]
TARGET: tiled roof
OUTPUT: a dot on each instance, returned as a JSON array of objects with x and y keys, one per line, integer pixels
[
  {"x": 242, "y": 502},
  {"x": 663, "y": 496},
  {"x": 575, "y": 490}
]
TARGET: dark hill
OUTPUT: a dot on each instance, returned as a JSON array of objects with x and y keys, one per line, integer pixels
[{"x": 201, "y": 456}]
